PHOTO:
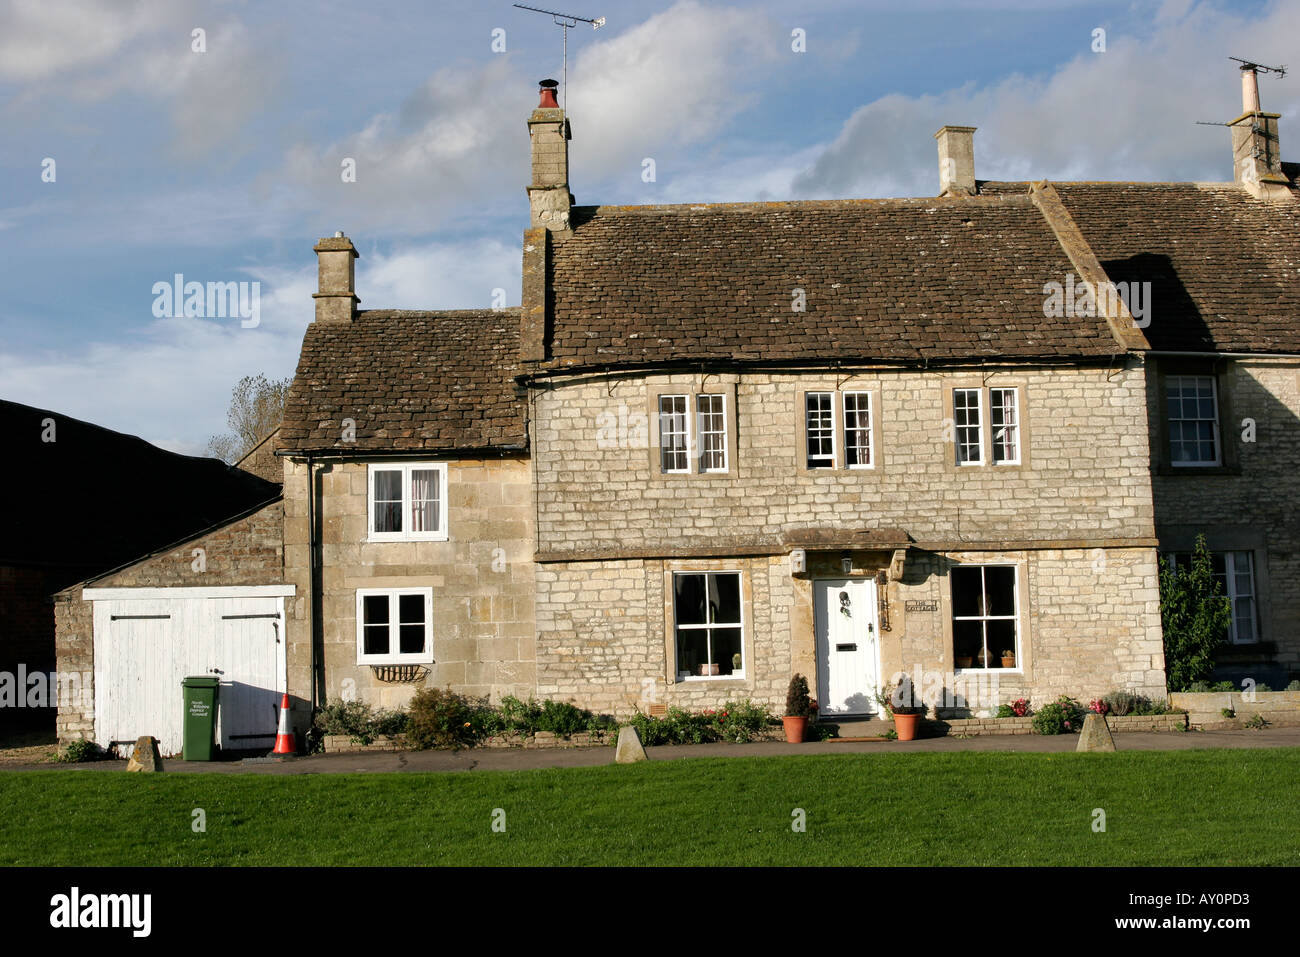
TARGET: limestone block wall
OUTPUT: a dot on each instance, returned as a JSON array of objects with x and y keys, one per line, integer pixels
[
  {"x": 482, "y": 581},
  {"x": 1252, "y": 505},
  {"x": 1084, "y": 475}
]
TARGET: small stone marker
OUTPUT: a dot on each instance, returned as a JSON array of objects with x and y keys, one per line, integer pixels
[
  {"x": 629, "y": 750},
  {"x": 1095, "y": 735},
  {"x": 145, "y": 757}
]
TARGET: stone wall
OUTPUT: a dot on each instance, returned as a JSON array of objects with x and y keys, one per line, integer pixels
[
  {"x": 482, "y": 581},
  {"x": 1251, "y": 504},
  {"x": 1085, "y": 473},
  {"x": 245, "y": 552}
]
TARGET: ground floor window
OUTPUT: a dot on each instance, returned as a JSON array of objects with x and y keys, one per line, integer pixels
[
  {"x": 1235, "y": 573},
  {"x": 394, "y": 626},
  {"x": 709, "y": 624},
  {"x": 985, "y": 617}
]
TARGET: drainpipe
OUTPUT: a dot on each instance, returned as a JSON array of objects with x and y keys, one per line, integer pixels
[{"x": 312, "y": 574}]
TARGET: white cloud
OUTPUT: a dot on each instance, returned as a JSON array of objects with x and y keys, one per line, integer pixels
[{"x": 1128, "y": 113}]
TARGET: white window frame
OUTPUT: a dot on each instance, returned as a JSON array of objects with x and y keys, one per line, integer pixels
[
  {"x": 423, "y": 657},
  {"x": 406, "y": 535},
  {"x": 686, "y": 431},
  {"x": 978, "y": 427},
  {"x": 700, "y": 431},
  {"x": 1014, "y": 426},
  {"x": 860, "y": 395},
  {"x": 1214, "y": 421},
  {"x": 807, "y": 456},
  {"x": 742, "y": 625},
  {"x": 1015, "y": 598}
]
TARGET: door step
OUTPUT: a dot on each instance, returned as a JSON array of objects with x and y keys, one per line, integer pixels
[{"x": 860, "y": 729}]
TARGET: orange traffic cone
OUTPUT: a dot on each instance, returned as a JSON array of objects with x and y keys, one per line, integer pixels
[{"x": 284, "y": 742}]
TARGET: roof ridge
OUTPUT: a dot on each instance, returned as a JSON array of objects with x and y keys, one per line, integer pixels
[{"x": 990, "y": 200}]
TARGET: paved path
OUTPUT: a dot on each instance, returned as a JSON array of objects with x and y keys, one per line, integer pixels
[{"x": 515, "y": 759}]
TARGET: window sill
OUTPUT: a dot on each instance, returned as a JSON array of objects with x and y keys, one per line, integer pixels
[
  {"x": 1199, "y": 470},
  {"x": 392, "y": 661},
  {"x": 738, "y": 678},
  {"x": 988, "y": 671},
  {"x": 406, "y": 538}
]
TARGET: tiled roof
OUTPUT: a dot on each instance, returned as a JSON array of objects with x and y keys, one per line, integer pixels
[
  {"x": 928, "y": 279},
  {"x": 1224, "y": 267},
  {"x": 419, "y": 381}
]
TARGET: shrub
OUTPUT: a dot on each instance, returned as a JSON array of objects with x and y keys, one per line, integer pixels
[
  {"x": 529, "y": 717},
  {"x": 359, "y": 721},
  {"x": 1062, "y": 715},
  {"x": 1016, "y": 709},
  {"x": 1121, "y": 703},
  {"x": 83, "y": 750},
  {"x": 1257, "y": 722},
  {"x": 1227, "y": 712},
  {"x": 737, "y": 721},
  {"x": 797, "y": 702},
  {"x": 1098, "y": 706},
  {"x": 1293, "y": 686},
  {"x": 1005, "y": 711},
  {"x": 1194, "y": 613},
  {"x": 440, "y": 718}
]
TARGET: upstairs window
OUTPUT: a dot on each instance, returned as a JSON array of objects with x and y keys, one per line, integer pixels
[
  {"x": 693, "y": 443},
  {"x": 819, "y": 427},
  {"x": 857, "y": 430},
  {"x": 1004, "y": 422},
  {"x": 1193, "y": 408},
  {"x": 968, "y": 428},
  {"x": 408, "y": 502}
]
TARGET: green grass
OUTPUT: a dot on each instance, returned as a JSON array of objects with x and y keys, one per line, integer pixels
[{"x": 1227, "y": 807}]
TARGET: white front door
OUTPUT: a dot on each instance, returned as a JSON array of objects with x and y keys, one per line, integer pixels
[{"x": 848, "y": 659}]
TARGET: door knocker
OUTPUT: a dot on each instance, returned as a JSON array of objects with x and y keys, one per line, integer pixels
[{"x": 844, "y": 604}]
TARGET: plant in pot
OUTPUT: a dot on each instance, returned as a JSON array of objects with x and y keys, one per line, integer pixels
[
  {"x": 1008, "y": 659},
  {"x": 798, "y": 710},
  {"x": 906, "y": 707},
  {"x": 963, "y": 661}
]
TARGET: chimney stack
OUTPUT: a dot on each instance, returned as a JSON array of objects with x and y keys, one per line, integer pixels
[
  {"x": 549, "y": 199},
  {"x": 336, "y": 300},
  {"x": 1256, "y": 157},
  {"x": 956, "y": 160}
]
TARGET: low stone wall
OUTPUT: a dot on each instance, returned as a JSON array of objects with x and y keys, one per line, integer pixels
[
  {"x": 1205, "y": 708},
  {"x": 1128, "y": 722},
  {"x": 339, "y": 743}
]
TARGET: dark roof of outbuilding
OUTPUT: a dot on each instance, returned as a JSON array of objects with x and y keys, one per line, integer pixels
[
  {"x": 1224, "y": 267},
  {"x": 410, "y": 381},
  {"x": 910, "y": 279}
]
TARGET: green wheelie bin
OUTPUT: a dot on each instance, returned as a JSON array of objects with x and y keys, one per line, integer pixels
[{"x": 200, "y": 697}]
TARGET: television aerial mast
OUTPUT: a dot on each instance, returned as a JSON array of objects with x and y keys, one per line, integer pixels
[{"x": 564, "y": 21}]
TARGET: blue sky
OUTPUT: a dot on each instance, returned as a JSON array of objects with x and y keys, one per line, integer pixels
[{"x": 225, "y": 165}]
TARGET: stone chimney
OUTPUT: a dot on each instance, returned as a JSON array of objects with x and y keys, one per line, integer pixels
[
  {"x": 336, "y": 300},
  {"x": 549, "y": 199},
  {"x": 956, "y": 160},
  {"x": 1256, "y": 157}
]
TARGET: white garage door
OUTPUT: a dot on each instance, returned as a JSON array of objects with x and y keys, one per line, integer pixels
[{"x": 147, "y": 640}]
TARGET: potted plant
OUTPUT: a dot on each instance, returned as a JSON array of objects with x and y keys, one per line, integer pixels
[
  {"x": 906, "y": 707},
  {"x": 735, "y": 662},
  {"x": 798, "y": 709},
  {"x": 964, "y": 661},
  {"x": 1008, "y": 659},
  {"x": 982, "y": 658}
]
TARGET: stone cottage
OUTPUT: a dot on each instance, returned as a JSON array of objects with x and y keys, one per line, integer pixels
[{"x": 718, "y": 444}]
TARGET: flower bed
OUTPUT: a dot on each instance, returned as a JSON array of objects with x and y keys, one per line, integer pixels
[{"x": 1176, "y": 721}]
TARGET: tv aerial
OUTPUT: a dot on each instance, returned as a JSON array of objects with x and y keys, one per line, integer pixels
[{"x": 564, "y": 21}]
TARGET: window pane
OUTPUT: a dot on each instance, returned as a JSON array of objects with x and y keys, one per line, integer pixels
[
  {"x": 672, "y": 433},
  {"x": 819, "y": 427},
  {"x": 968, "y": 639},
  {"x": 376, "y": 639},
  {"x": 689, "y": 599},
  {"x": 1005, "y": 425},
  {"x": 726, "y": 644},
  {"x": 425, "y": 493},
  {"x": 1001, "y": 637},
  {"x": 1000, "y": 589},
  {"x": 967, "y": 587},
  {"x": 388, "y": 500},
  {"x": 713, "y": 433},
  {"x": 411, "y": 639},
  {"x": 410, "y": 609},
  {"x": 375, "y": 609},
  {"x": 692, "y": 650},
  {"x": 724, "y": 599}
]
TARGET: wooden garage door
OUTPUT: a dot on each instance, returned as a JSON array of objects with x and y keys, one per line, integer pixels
[{"x": 145, "y": 647}]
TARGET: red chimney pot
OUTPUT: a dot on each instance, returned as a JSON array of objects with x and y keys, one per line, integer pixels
[{"x": 548, "y": 101}]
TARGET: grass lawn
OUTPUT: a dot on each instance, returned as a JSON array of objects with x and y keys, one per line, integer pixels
[{"x": 1207, "y": 807}]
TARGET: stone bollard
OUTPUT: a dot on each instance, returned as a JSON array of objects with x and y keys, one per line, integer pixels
[
  {"x": 1095, "y": 735},
  {"x": 144, "y": 756},
  {"x": 629, "y": 750}
]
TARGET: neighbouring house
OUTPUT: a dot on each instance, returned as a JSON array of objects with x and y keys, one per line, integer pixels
[{"x": 717, "y": 444}]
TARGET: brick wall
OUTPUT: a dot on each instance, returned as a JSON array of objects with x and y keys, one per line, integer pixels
[
  {"x": 482, "y": 581},
  {"x": 246, "y": 552}
]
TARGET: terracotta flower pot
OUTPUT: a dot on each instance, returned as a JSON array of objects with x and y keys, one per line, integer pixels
[
  {"x": 964, "y": 662},
  {"x": 795, "y": 726},
  {"x": 905, "y": 726},
  {"x": 1009, "y": 662}
]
